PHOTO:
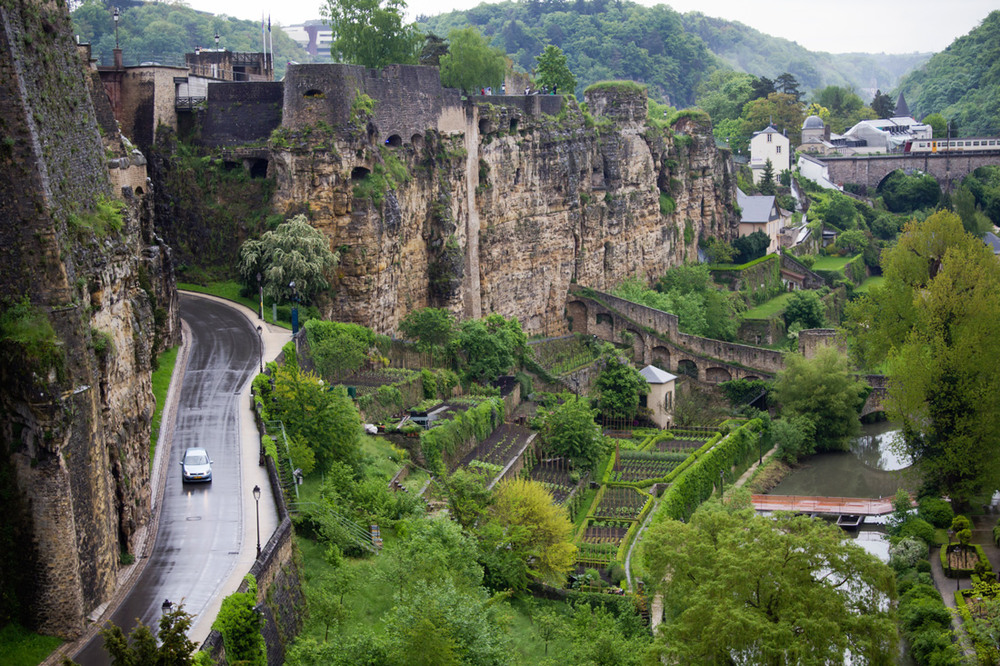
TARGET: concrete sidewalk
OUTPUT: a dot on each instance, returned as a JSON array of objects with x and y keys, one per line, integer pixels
[{"x": 273, "y": 338}]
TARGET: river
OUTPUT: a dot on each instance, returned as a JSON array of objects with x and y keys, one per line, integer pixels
[{"x": 872, "y": 468}]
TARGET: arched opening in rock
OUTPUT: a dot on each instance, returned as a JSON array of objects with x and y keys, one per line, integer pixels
[{"x": 394, "y": 141}]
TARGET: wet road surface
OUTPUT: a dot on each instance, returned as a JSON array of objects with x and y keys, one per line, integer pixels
[{"x": 201, "y": 525}]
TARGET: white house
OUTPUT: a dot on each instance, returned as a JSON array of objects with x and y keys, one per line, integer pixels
[
  {"x": 769, "y": 144},
  {"x": 660, "y": 399}
]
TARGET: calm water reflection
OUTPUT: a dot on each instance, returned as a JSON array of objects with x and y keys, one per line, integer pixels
[{"x": 870, "y": 469}]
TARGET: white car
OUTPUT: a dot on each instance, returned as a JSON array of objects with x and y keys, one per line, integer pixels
[{"x": 196, "y": 465}]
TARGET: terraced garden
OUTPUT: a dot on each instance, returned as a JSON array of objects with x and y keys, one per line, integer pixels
[
  {"x": 556, "y": 476},
  {"x": 563, "y": 355},
  {"x": 493, "y": 454},
  {"x": 633, "y": 466}
]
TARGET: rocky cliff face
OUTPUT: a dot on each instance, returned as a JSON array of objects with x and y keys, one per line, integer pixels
[
  {"x": 87, "y": 296},
  {"x": 494, "y": 205}
]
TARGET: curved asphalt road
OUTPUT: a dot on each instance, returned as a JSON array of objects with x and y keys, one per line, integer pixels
[{"x": 201, "y": 525}]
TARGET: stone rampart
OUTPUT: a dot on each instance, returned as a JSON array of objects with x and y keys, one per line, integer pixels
[
  {"x": 239, "y": 113},
  {"x": 871, "y": 170},
  {"x": 409, "y": 99}
]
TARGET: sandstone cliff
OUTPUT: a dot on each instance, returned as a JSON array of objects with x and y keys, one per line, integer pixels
[
  {"x": 87, "y": 295},
  {"x": 494, "y": 204}
]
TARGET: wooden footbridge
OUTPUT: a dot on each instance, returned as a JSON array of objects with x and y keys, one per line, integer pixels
[{"x": 856, "y": 506}]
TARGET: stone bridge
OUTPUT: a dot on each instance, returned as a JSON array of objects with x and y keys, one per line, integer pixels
[
  {"x": 656, "y": 340},
  {"x": 870, "y": 170}
]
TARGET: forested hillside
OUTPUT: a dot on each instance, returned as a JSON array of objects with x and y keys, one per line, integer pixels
[
  {"x": 163, "y": 33},
  {"x": 746, "y": 49},
  {"x": 602, "y": 40},
  {"x": 669, "y": 51},
  {"x": 962, "y": 83}
]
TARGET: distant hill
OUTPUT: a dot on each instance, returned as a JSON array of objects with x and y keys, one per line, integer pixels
[
  {"x": 962, "y": 83},
  {"x": 671, "y": 52},
  {"x": 748, "y": 50}
]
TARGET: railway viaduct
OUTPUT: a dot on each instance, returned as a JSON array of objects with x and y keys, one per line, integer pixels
[
  {"x": 870, "y": 170},
  {"x": 656, "y": 340}
]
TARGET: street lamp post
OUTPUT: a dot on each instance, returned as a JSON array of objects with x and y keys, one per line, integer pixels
[
  {"x": 260, "y": 346},
  {"x": 722, "y": 483},
  {"x": 216, "y": 40},
  {"x": 260, "y": 290},
  {"x": 295, "y": 308},
  {"x": 116, "y": 15},
  {"x": 256, "y": 499}
]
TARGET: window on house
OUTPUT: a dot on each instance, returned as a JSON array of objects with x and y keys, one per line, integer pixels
[
  {"x": 769, "y": 138},
  {"x": 777, "y": 149}
]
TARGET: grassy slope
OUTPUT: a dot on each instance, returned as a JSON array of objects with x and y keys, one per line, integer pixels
[
  {"x": 161, "y": 382},
  {"x": 21, "y": 647},
  {"x": 230, "y": 290},
  {"x": 770, "y": 308}
]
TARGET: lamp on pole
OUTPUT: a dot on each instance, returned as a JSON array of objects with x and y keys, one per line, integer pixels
[
  {"x": 722, "y": 483},
  {"x": 116, "y": 15},
  {"x": 295, "y": 308},
  {"x": 260, "y": 346},
  {"x": 260, "y": 291},
  {"x": 216, "y": 40},
  {"x": 256, "y": 499}
]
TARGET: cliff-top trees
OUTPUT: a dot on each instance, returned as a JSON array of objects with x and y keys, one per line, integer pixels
[
  {"x": 294, "y": 252},
  {"x": 471, "y": 63},
  {"x": 553, "y": 72},
  {"x": 371, "y": 32},
  {"x": 933, "y": 322}
]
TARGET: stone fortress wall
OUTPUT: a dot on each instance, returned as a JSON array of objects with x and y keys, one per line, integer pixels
[{"x": 76, "y": 408}]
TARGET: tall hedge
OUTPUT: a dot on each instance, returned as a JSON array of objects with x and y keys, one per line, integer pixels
[{"x": 477, "y": 422}]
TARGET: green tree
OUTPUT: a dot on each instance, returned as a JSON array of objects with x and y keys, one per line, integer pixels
[
  {"x": 323, "y": 416},
  {"x": 294, "y": 252},
  {"x": 141, "y": 648},
  {"x": 840, "y": 212},
  {"x": 784, "y": 110},
  {"x": 752, "y": 246},
  {"x": 490, "y": 346},
  {"x": 852, "y": 241},
  {"x": 468, "y": 497},
  {"x": 794, "y": 437},
  {"x": 766, "y": 184},
  {"x": 339, "y": 348},
  {"x": 529, "y": 532},
  {"x": 973, "y": 219},
  {"x": 883, "y": 105},
  {"x": 723, "y": 94},
  {"x": 371, "y": 32},
  {"x": 239, "y": 623},
  {"x": 786, "y": 83},
  {"x": 932, "y": 322},
  {"x": 719, "y": 251},
  {"x": 824, "y": 390},
  {"x": 806, "y": 308},
  {"x": 769, "y": 589},
  {"x": 938, "y": 123},
  {"x": 904, "y": 194},
  {"x": 569, "y": 431},
  {"x": 553, "y": 72},
  {"x": 432, "y": 328},
  {"x": 471, "y": 63},
  {"x": 619, "y": 386}
]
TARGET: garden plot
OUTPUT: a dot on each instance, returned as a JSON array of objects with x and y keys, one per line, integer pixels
[
  {"x": 620, "y": 503},
  {"x": 367, "y": 381},
  {"x": 562, "y": 355},
  {"x": 500, "y": 448},
  {"x": 555, "y": 474},
  {"x": 633, "y": 466}
]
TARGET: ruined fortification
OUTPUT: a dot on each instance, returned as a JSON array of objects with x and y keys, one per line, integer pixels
[
  {"x": 87, "y": 295},
  {"x": 488, "y": 204}
]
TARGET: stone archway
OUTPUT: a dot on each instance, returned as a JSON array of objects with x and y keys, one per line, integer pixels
[
  {"x": 576, "y": 313},
  {"x": 661, "y": 357},
  {"x": 717, "y": 375},
  {"x": 687, "y": 367},
  {"x": 605, "y": 326},
  {"x": 638, "y": 345}
]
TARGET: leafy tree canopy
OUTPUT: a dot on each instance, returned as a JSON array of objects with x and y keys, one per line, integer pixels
[
  {"x": 170, "y": 646},
  {"x": 430, "y": 327},
  {"x": 530, "y": 531},
  {"x": 371, "y": 32},
  {"x": 294, "y": 252},
  {"x": 552, "y": 71},
  {"x": 340, "y": 348},
  {"x": 883, "y": 105},
  {"x": 770, "y": 589},
  {"x": 471, "y": 63},
  {"x": 932, "y": 322},
  {"x": 569, "y": 430},
  {"x": 752, "y": 246},
  {"x": 824, "y": 390},
  {"x": 905, "y": 194},
  {"x": 490, "y": 346},
  {"x": 619, "y": 386}
]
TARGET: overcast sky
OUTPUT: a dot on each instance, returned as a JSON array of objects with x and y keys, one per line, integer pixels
[{"x": 868, "y": 26}]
